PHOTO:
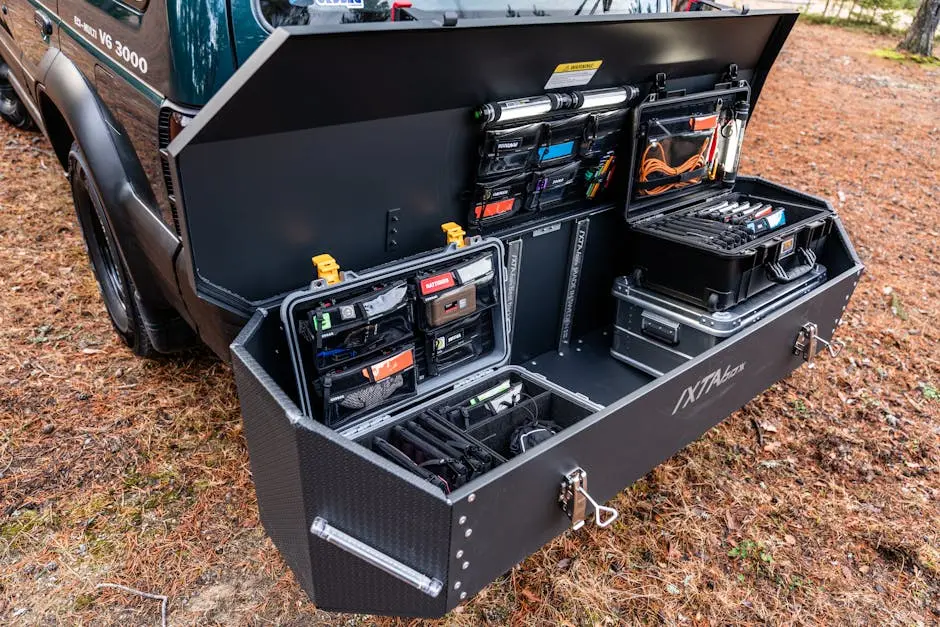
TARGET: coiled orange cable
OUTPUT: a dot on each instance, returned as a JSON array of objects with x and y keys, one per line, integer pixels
[{"x": 650, "y": 165}]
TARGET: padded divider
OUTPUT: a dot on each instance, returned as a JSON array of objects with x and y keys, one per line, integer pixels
[{"x": 496, "y": 433}]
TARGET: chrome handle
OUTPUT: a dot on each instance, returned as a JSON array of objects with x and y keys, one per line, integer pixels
[
  {"x": 42, "y": 20},
  {"x": 428, "y": 585},
  {"x": 600, "y": 510}
]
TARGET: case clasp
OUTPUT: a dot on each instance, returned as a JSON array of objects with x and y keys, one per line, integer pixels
[
  {"x": 327, "y": 268},
  {"x": 454, "y": 234},
  {"x": 573, "y": 498}
]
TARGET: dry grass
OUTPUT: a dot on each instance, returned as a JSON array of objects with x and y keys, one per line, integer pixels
[{"x": 135, "y": 472}]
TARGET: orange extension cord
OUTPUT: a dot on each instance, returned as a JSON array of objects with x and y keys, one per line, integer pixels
[{"x": 649, "y": 165}]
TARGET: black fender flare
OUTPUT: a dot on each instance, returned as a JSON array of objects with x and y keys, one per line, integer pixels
[{"x": 147, "y": 246}]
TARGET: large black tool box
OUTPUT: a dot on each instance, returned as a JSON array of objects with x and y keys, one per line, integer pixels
[{"x": 316, "y": 146}]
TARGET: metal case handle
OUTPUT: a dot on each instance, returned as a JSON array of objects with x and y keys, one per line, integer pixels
[{"x": 428, "y": 585}]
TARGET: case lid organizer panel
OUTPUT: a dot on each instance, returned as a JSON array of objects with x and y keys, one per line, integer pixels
[
  {"x": 544, "y": 152},
  {"x": 687, "y": 143},
  {"x": 369, "y": 343}
]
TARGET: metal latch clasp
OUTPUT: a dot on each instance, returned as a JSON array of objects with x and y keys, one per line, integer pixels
[
  {"x": 807, "y": 340},
  {"x": 573, "y": 498}
]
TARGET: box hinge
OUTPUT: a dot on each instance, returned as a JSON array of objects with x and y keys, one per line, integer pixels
[
  {"x": 574, "y": 497},
  {"x": 660, "y": 90},
  {"x": 733, "y": 72},
  {"x": 473, "y": 378}
]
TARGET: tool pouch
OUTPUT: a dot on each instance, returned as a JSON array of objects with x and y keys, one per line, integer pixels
[
  {"x": 553, "y": 186},
  {"x": 366, "y": 385},
  {"x": 509, "y": 150},
  {"x": 602, "y": 132},
  {"x": 495, "y": 201}
]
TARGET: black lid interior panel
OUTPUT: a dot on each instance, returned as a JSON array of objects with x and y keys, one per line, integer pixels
[{"x": 323, "y": 132}]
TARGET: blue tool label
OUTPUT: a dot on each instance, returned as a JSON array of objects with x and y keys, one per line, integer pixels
[
  {"x": 557, "y": 150},
  {"x": 355, "y": 4}
]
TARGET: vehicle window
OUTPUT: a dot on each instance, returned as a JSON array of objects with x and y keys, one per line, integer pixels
[{"x": 298, "y": 12}]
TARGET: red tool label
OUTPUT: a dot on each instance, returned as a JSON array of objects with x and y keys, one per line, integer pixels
[
  {"x": 704, "y": 123},
  {"x": 390, "y": 366},
  {"x": 436, "y": 283},
  {"x": 491, "y": 209}
]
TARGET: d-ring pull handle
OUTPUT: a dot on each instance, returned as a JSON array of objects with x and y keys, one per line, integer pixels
[
  {"x": 574, "y": 497},
  {"x": 835, "y": 347},
  {"x": 600, "y": 510}
]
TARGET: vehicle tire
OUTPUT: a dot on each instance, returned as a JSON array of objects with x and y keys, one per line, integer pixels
[
  {"x": 12, "y": 109},
  {"x": 116, "y": 287}
]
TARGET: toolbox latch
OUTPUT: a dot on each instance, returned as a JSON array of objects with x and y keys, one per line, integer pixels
[
  {"x": 573, "y": 498},
  {"x": 808, "y": 340},
  {"x": 661, "y": 85},
  {"x": 327, "y": 269},
  {"x": 454, "y": 234}
]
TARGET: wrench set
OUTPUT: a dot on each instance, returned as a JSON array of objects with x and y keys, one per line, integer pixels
[{"x": 725, "y": 225}]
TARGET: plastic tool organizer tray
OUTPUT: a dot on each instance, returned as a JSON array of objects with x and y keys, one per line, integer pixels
[
  {"x": 546, "y": 162},
  {"x": 699, "y": 233}
]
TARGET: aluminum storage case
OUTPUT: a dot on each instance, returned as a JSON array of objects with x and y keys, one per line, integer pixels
[
  {"x": 271, "y": 173},
  {"x": 656, "y": 334}
]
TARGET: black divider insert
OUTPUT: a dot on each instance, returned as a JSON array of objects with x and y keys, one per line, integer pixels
[
  {"x": 496, "y": 432},
  {"x": 493, "y": 433}
]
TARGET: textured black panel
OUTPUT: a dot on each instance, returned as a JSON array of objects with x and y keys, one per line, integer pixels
[
  {"x": 516, "y": 512},
  {"x": 303, "y": 470},
  {"x": 275, "y": 465}
]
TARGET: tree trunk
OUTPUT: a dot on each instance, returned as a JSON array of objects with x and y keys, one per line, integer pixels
[{"x": 919, "y": 39}]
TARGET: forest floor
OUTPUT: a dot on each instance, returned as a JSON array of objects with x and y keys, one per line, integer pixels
[{"x": 120, "y": 470}]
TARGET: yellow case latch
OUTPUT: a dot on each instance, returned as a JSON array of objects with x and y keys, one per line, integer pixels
[
  {"x": 454, "y": 233},
  {"x": 327, "y": 269}
]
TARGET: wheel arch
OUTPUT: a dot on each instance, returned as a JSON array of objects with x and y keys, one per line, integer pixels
[{"x": 73, "y": 112}]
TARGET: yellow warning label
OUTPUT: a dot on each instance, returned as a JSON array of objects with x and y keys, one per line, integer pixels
[
  {"x": 573, "y": 74},
  {"x": 578, "y": 67}
]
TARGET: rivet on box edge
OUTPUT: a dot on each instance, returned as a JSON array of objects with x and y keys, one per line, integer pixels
[
  {"x": 463, "y": 595},
  {"x": 459, "y": 553},
  {"x": 467, "y": 533},
  {"x": 471, "y": 498},
  {"x": 457, "y": 586},
  {"x": 461, "y": 520},
  {"x": 465, "y": 565}
]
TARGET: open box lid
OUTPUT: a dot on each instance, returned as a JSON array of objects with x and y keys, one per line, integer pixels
[{"x": 358, "y": 140}]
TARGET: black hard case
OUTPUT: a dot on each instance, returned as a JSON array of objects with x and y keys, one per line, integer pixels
[
  {"x": 370, "y": 179},
  {"x": 698, "y": 273}
]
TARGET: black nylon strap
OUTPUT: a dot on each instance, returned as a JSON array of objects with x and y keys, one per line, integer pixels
[{"x": 669, "y": 180}]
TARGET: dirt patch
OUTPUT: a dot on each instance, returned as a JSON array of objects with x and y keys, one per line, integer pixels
[{"x": 114, "y": 469}]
